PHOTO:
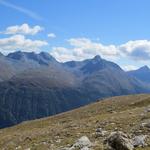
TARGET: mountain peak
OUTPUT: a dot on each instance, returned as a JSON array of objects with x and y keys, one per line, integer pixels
[
  {"x": 16, "y": 55},
  {"x": 47, "y": 56},
  {"x": 97, "y": 57},
  {"x": 1, "y": 54},
  {"x": 144, "y": 68},
  {"x": 43, "y": 58}
]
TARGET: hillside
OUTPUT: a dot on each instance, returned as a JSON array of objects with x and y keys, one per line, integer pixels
[
  {"x": 129, "y": 114},
  {"x": 35, "y": 85}
]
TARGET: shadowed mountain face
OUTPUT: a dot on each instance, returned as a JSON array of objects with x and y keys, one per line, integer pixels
[
  {"x": 142, "y": 74},
  {"x": 36, "y": 85}
]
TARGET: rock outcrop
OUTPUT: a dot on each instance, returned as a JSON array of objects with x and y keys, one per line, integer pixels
[{"x": 119, "y": 141}]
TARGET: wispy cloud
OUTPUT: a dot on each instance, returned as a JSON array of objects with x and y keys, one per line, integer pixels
[
  {"x": 51, "y": 35},
  {"x": 21, "y": 9}
]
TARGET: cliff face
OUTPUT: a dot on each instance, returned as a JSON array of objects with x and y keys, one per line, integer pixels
[{"x": 36, "y": 85}]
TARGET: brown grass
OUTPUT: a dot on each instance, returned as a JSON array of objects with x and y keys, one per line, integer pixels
[{"x": 122, "y": 113}]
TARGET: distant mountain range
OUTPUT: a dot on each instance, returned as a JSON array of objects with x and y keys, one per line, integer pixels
[
  {"x": 37, "y": 85},
  {"x": 142, "y": 74}
]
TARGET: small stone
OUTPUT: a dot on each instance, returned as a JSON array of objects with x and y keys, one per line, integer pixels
[
  {"x": 116, "y": 129},
  {"x": 146, "y": 124},
  {"x": 18, "y": 147},
  {"x": 28, "y": 149},
  {"x": 139, "y": 141},
  {"x": 100, "y": 132},
  {"x": 85, "y": 148},
  {"x": 147, "y": 110}
]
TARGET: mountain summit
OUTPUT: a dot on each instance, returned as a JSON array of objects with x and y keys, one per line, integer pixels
[
  {"x": 142, "y": 74},
  {"x": 42, "y": 58},
  {"x": 97, "y": 57},
  {"x": 144, "y": 68}
]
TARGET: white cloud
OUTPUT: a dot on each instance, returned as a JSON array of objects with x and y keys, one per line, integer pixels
[
  {"x": 19, "y": 42},
  {"x": 138, "y": 50},
  {"x": 51, "y": 35},
  {"x": 23, "y": 29},
  {"x": 83, "y": 48},
  {"x": 129, "y": 67},
  {"x": 21, "y": 9}
]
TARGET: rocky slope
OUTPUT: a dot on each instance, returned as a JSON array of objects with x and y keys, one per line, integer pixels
[{"x": 115, "y": 122}]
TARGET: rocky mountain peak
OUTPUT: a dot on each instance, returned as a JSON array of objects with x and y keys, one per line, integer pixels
[
  {"x": 144, "y": 68},
  {"x": 18, "y": 55},
  {"x": 97, "y": 58},
  {"x": 47, "y": 56}
]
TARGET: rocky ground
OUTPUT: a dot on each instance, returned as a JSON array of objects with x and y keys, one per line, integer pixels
[{"x": 118, "y": 123}]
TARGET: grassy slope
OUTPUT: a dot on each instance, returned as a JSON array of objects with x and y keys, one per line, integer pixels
[{"x": 53, "y": 132}]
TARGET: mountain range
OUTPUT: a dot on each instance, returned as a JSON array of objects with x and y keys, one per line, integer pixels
[{"x": 37, "y": 85}]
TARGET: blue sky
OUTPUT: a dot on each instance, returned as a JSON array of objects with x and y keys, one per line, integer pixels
[{"x": 118, "y": 30}]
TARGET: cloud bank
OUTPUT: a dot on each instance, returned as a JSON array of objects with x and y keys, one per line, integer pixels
[
  {"x": 19, "y": 42},
  {"x": 137, "y": 50},
  {"x": 82, "y": 48},
  {"x": 16, "y": 39}
]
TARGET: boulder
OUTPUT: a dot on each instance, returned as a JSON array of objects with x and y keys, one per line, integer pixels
[
  {"x": 83, "y": 142},
  {"x": 119, "y": 141}
]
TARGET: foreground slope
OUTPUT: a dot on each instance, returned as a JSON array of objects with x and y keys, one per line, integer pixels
[{"x": 125, "y": 113}]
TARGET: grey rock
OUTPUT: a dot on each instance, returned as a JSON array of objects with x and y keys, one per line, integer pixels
[
  {"x": 82, "y": 143},
  {"x": 146, "y": 124},
  {"x": 139, "y": 141},
  {"x": 100, "y": 132},
  {"x": 119, "y": 141},
  {"x": 147, "y": 109}
]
